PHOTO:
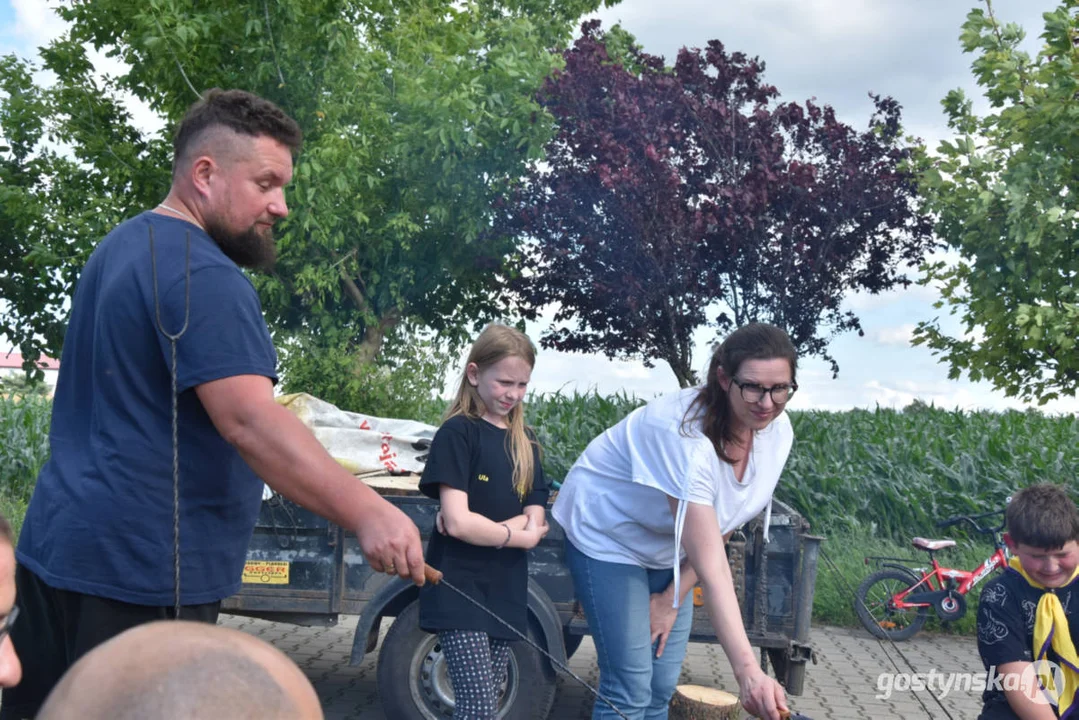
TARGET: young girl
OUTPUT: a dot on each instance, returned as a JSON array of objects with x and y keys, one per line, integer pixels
[{"x": 484, "y": 466}]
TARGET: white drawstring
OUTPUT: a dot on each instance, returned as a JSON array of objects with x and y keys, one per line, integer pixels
[{"x": 679, "y": 521}]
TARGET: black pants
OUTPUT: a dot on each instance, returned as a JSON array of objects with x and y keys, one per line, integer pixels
[
  {"x": 998, "y": 711},
  {"x": 57, "y": 627}
]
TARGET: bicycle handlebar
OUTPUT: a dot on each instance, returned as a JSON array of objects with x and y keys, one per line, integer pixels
[{"x": 971, "y": 519}]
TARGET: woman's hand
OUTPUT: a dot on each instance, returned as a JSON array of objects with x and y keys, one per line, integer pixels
[
  {"x": 761, "y": 695},
  {"x": 661, "y": 616}
]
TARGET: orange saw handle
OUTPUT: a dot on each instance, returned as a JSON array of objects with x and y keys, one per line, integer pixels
[{"x": 431, "y": 575}]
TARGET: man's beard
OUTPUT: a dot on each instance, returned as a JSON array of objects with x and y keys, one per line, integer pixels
[{"x": 247, "y": 249}]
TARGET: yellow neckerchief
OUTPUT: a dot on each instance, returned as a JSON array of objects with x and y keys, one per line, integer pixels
[{"x": 1051, "y": 630}]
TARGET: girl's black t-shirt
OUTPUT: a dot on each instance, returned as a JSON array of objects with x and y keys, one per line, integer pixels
[{"x": 471, "y": 455}]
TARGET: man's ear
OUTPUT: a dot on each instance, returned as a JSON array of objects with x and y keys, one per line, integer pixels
[
  {"x": 201, "y": 172},
  {"x": 472, "y": 373}
]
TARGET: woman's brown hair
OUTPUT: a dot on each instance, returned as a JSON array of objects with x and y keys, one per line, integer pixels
[
  {"x": 496, "y": 343},
  {"x": 755, "y": 341}
]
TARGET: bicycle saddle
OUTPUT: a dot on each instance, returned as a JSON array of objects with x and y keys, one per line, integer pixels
[{"x": 925, "y": 544}]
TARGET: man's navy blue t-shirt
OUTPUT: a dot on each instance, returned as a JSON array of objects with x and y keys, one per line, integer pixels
[{"x": 100, "y": 521}]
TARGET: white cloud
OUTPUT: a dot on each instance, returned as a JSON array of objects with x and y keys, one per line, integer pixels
[
  {"x": 861, "y": 302},
  {"x": 899, "y": 335},
  {"x": 36, "y": 23}
]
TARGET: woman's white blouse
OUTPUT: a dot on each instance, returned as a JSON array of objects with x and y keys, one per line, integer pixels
[{"x": 613, "y": 503}]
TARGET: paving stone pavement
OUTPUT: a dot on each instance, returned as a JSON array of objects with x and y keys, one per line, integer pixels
[{"x": 843, "y": 685}]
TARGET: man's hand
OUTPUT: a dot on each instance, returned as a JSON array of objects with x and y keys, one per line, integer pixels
[
  {"x": 391, "y": 542},
  {"x": 661, "y": 616}
]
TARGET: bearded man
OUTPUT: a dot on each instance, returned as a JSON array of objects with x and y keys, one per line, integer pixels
[{"x": 95, "y": 556}]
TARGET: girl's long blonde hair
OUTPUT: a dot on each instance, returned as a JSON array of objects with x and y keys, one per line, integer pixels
[{"x": 496, "y": 343}]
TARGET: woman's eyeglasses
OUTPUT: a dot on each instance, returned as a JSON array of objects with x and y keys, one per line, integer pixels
[{"x": 753, "y": 393}]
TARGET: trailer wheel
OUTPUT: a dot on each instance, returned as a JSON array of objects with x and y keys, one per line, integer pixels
[{"x": 413, "y": 683}]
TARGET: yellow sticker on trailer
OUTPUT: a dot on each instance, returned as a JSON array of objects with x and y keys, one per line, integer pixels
[{"x": 266, "y": 572}]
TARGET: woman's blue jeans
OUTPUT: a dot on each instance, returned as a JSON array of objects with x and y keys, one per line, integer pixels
[{"x": 615, "y": 602}]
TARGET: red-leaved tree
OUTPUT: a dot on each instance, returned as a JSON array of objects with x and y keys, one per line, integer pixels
[{"x": 672, "y": 198}]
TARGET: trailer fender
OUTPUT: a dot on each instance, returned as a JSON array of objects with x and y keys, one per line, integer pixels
[
  {"x": 542, "y": 609},
  {"x": 398, "y": 593}
]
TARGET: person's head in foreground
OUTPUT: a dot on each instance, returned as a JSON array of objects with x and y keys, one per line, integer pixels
[
  {"x": 1043, "y": 532},
  {"x": 232, "y": 157},
  {"x": 751, "y": 377},
  {"x": 176, "y": 670},
  {"x": 10, "y": 668}
]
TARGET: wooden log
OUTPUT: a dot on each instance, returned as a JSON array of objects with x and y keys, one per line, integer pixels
[{"x": 696, "y": 702}]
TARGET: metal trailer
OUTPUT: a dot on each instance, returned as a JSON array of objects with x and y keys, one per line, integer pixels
[{"x": 304, "y": 570}]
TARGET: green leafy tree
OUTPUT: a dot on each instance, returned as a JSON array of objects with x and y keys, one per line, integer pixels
[
  {"x": 1005, "y": 192},
  {"x": 416, "y": 115}
]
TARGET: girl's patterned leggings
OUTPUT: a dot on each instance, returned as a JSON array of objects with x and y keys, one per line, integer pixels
[{"x": 477, "y": 665}]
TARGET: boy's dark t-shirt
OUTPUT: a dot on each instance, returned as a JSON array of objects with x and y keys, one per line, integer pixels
[
  {"x": 1006, "y": 614},
  {"x": 471, "y": 455}
]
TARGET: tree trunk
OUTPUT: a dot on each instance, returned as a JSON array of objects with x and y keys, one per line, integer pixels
[
  {"x": 374, "y": 336},
  {"x": 695, "y": 702},
  {"x": 682, "y": 371}
]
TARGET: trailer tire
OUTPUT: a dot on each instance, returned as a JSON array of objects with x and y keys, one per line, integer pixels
[{"x": 413, "y": 683}]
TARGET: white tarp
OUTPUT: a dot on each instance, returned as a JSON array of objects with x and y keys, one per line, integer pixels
[{"x": 363, "y": 444}]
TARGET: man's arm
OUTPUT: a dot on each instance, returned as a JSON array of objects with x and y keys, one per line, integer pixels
[
  {"x": 284, "y": 453},
  {"x": 1029, "y": 703}
]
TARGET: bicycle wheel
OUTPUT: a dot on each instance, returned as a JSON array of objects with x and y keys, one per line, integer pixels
[{"x": 873, "y": 605}]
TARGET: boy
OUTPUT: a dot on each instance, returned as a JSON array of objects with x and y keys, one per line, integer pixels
[{"x": 1029, "y": 613}]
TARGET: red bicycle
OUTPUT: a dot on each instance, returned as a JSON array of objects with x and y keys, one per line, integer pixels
[{"x": 894, "y": 602}]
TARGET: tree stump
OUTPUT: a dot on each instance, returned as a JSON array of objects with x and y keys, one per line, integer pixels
[{"x": 696, "y": 702}]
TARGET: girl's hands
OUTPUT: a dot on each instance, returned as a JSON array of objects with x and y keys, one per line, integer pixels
[
  {"x": 761, "y": 695},
  {"x": 531, "y": 535}
]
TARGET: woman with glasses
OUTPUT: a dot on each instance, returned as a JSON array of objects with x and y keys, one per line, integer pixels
[{"x": 648, "y": 507}]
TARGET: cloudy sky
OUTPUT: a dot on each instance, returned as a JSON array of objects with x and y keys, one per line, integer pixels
[{"x": 836, "y": 51}]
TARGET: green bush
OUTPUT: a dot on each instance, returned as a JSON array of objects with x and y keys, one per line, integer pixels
[
  {"x": 24, "y": 447},
  {"x": 404, "y": 383}
]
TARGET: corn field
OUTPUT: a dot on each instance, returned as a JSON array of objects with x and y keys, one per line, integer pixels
[{"x": 888, "y": 473}]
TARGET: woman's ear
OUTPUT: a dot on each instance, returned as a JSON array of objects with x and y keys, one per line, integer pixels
[
  {"x": 724, "y": 381},
  {"x": 472, "y": 373}
]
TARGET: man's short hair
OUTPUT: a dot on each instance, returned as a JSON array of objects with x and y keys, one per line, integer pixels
[
  {"x": 1042, "y": 516},
  {"x": 237, "y": 110},
  {"x": 181, "y": 670}
]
